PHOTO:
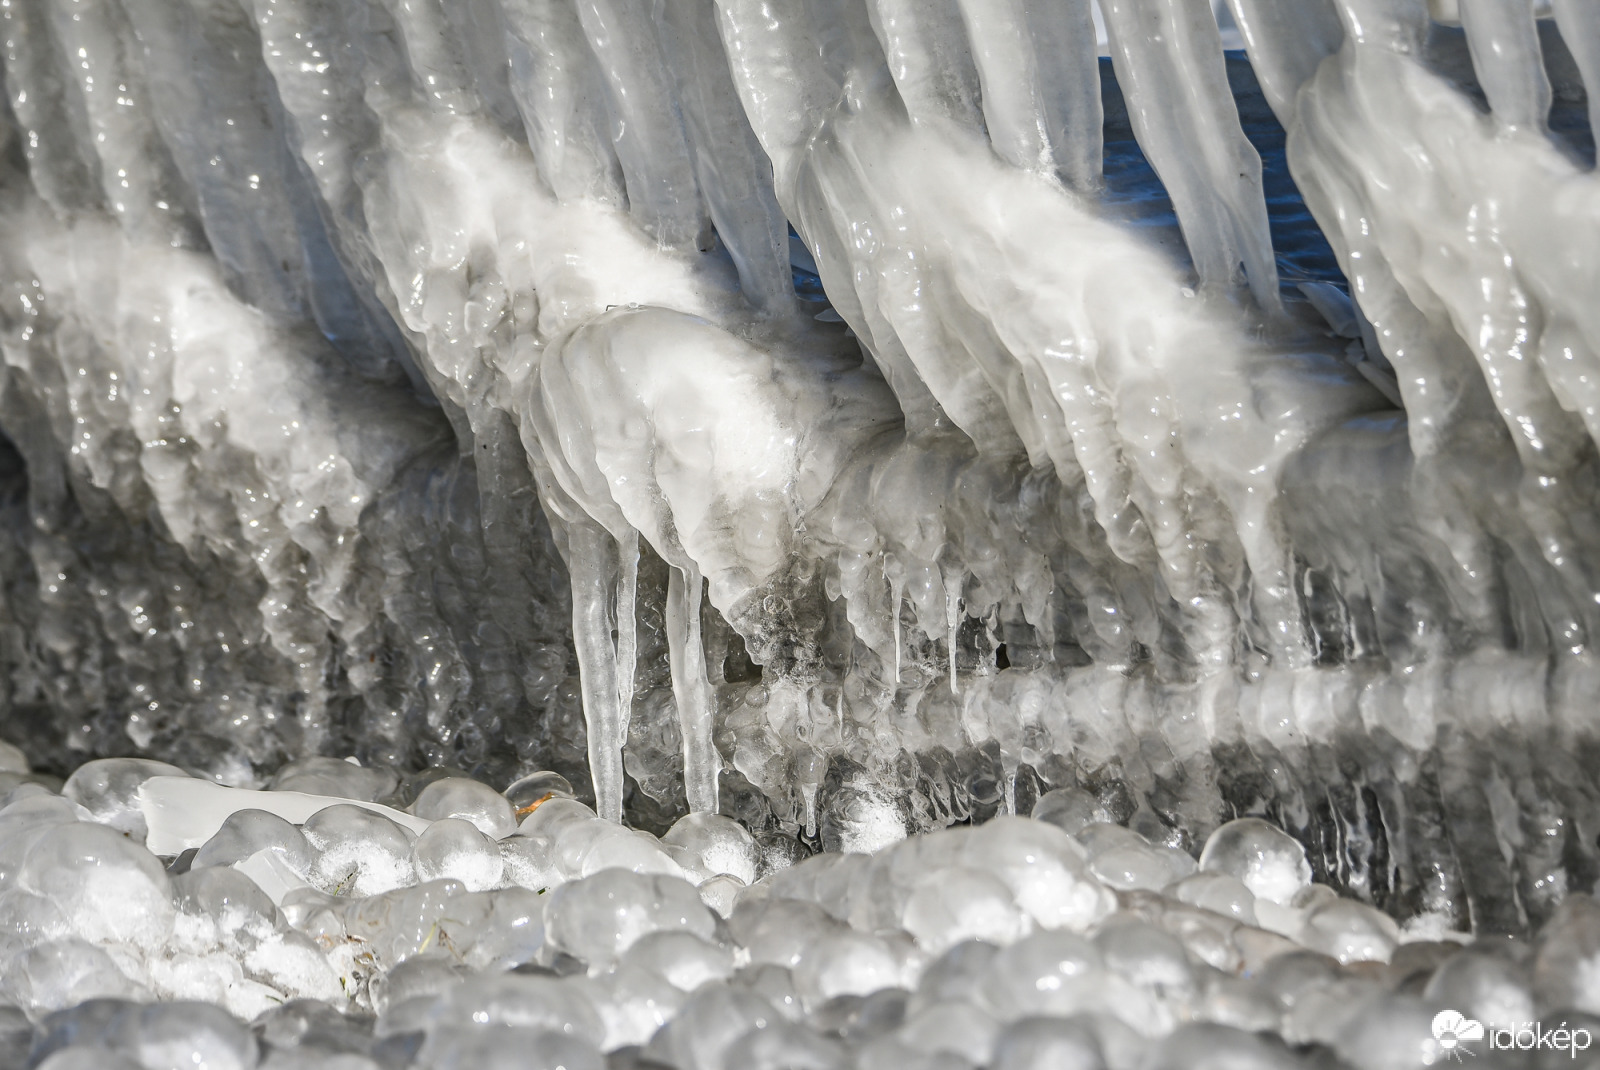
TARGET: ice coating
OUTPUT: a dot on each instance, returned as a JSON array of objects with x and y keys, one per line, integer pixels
[{"x": 441, "y": 387}]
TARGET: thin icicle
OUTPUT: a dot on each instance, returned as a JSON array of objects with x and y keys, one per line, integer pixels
[
  {"x": 627, "y": 625},
  {"x": 1041, "y": 84},
  {"x": 648, "y": 134},
  {"x": 1286, "y": 43},
  {"x": 141, "y": 184},
  {"x": 930, "y": 59},
  {"x": 952, "y": 612},
  {"x": 1168, "y": 58},
  {"x": 561, "y": 95},
  {"x": 1579, "y": 22},
  {"x": 896, "y": 591},
  {"x": 1504, "y": 39},
  {"x": 591, "y": 560},
  {"x": 55, "y": 135},
  {"x": 691, "y": 689},
  {"x": 733, "y": 171}
]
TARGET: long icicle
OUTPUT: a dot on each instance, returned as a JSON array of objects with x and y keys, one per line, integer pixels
[
  {"x": 691, "y": 689},
  {"x": 627, "y": 626},
  {"x": 591, "y": 560}
]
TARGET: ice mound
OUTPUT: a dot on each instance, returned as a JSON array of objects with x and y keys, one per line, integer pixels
[{"x": 1024, "y": 943}]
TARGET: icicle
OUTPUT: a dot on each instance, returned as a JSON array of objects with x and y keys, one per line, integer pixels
[
  {"x": 591, "y": 560},
  {"x": 952, "y": 611},
  {"x": 439, "y": 68},
  {"x": 55, "y": 135},
  {"x": 649, "y": 138},
  {"x": 627, "y": 625},
  {"x": 930, "y": 59},
  {"x": 691, "y": 689},
  {"x": 1041, "y": 84},
  {"x": 1286, "y": 43},
  {"x": 561, "y": 95},
  {"x": 896, "y": 590},
  {"x": 1168, "y": 57},
  {"x": 1505, "y": 54},
  {"x": 733, "y": 171},
  {"x": 1579, "y": 22},
  {"x": 140, "y": 183}
]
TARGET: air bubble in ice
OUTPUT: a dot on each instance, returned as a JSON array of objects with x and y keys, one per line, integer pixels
[
  {"x": 1268, "y": 861},
  {"x": 467, "y": 800},
  {"x": 454, "y": 848}
]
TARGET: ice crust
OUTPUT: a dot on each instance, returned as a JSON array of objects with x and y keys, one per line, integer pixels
[
  {"x": 1014, "y": 944},
  {"x": 754, "y": 427}
]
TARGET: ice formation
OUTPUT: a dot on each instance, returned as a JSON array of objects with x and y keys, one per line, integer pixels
[{"x": 744, "y": 429}]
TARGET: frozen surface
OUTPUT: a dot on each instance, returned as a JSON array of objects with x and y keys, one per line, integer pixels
[{"x": 749, "y": 430}]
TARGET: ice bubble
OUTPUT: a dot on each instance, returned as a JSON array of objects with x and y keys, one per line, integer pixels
[
  {"x": 95, "y": 1058},
  {"x": 467, "y": 800},
  {"x": 27, "y": 920},
  {"x": 514, "y": 1001},
  {"x": 1219, "y": 893},
  {"x": 958, "y": 1026},
  {"x": 531, "y": 791},
  {"x": 846, "y": 962},
  {"x": 1483, "y": 986},
  {"x": 1146, "y": 955},
  {"x": 190, "y": 1036},
  {"x": 785, "y": 1046},
  {"x": 457, "y": 849},
  {"x": 775, "y": 984},
  {"x": 614, "y": 847},
  {"x": 304, "y": 1028},
  {"x": 721, "y": 893},
  {"x": 358, "y": 852},
  {"x": 12, "y": 760},
  {"x": 779, "y": 931},
  {"x": 108, "y": 888},
  {"x": 527, "y": 862},
  {"x": 1068, "y": 809},
  {"x": 1047, "y": 973},
  {"x": 682, "y": 958},
  {"x": 336, "y": 778},
  {"x": 1219, "y": 1047},
  {"x": 419, "y": 978},
  {"x": 1241, "y": 1003},
  {"x": 460, "y": 1048},
  {"x": 953, "y": 905},
  {"x": 634, "y": 1003},
  {"x": 109, "y": 789},
  {"x": 716, "y": 844},
  {"x": 1566, "y": 967},
  {"x": 1269, "y": 861},
  {"x": 233, "y": 909},
  {"x": 598, "y": 918},
  {"x": 1045, "y": 870},
  {"x": 707, "y": 1026},
  {"x": 1140, "y": 866},
  {"x": 1350, "y": 932},
  {"x": 64, "y": 973},
  {"x": 1048, "y": 1044},
  {"x": 1389, "y": 1031},
  {"x": 247, "y": 832},
  {"x": 892, "y": 1053},
  {"x": 957, "y": 973}
]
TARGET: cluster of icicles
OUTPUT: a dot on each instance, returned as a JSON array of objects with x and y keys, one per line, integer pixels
[
  {"x": 154, "y": 921},
  {"x": 255, "y": 232}
]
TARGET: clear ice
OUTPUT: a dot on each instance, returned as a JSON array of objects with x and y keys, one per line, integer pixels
[{"x": 797, "y": 533}]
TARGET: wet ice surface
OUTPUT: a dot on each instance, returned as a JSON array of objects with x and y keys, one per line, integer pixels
[{"x": 559, "y": 939}]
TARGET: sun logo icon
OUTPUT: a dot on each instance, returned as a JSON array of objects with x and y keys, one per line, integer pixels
[{"x": 1452, "y": 1029}]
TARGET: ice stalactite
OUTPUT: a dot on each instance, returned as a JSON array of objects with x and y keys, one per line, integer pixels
[{"x": 993, "y": 474}]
